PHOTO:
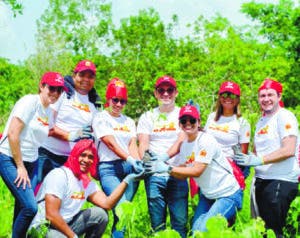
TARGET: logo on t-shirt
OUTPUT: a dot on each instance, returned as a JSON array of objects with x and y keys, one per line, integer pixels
[
  {"x": 288, "y": 126},
  {"x": 43, "y": 121},
  {"x": 165, "y": 127},
  {"x": 263, "y": 130},
  {"x": 122, "y": 128},
  {"x": 215, "y": 127},
  {"x": 81, "y": 106},
  {"x": 190, "y": 159},
  {"x": 202, "y": 153},
  {"x": 78, "y": 195}
]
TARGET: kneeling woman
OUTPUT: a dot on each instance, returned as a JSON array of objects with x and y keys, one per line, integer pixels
[{"x": 220, "y": 192}]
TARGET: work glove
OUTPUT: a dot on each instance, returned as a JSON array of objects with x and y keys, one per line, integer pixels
[
  {"x": 248, "y": 159},
  {"x": 69, "y": 84},
  {"x": 133, "y": 177},
  {"x": 236, "y": 149},
  {"x": 157, "y": 166},
  {"x": 136, "y": 164},
  {"x": 82, "y": 133}
]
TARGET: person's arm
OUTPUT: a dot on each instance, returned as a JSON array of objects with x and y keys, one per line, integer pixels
[
  {"x": 143, "y": 144},
  {"x": 175, "y": 148},
  {"x": 14, "y": 131},
  {"x": 59, "y": 133},
  {"x": 184, "y": 172},
  {"x": 52, "y": 206},
  {"x": 111, "y": 143},
  {"x": 287, "y": 149},
  {"x": 108, "y": 202},
  {"x": 133, "y": 149}
]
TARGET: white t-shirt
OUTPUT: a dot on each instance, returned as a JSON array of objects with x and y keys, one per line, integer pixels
[
  {"x": 217, "y": 180},
  {"x": 162, "y": 128},
  {"x": 268, "y": 136},
  {"x": 228, "y": 131},
  {"x": 122, "y": 128},
  {"x": 62, "y": 183},
  {"x": 72, "y": 114},
  {"x": 36, "y": 119}
]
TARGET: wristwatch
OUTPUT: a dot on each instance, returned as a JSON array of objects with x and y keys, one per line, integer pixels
[{"x": 170, "y": 169}]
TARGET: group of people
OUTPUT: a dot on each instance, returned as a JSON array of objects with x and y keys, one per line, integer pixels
[{"x": 55, "y": 142}]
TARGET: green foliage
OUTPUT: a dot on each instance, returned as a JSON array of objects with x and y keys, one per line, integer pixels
[{"x": 15, "y": 6}]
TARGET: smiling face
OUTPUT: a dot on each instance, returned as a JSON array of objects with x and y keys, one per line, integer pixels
[
  {"x": 229, "y": 101},
  {"x": 269, "y": 100},
  {"x": 86, "y": 159},
  {"x": 116, "y": 105},
  {"x": 166, "y": 94},
  {"x": 84, "y": 81},
  {"x": 189, "y": 125},
  {"x": 49, "y": 94}
]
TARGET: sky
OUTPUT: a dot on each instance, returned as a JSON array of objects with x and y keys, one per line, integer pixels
[{"x": 17, "y": 34}]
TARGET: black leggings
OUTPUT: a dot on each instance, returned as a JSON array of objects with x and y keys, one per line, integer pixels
[{"x": 273, "y": 198}]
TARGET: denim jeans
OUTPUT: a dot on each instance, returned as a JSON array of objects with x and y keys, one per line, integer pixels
[
  {"x": 45, "y": 163},
  {"x": 90, "y": 222},
  {"x": 25, "y": 204},
  {"x": 207, "y": 208},
  {"x": 163, "y": 192},
  {"x": 111, "y": 174}
]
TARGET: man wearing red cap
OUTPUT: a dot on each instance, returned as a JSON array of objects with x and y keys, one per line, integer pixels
[
  {"x": 74, "y": 113},
  {"x": 26, "y": 129},
  {"x": 276, "y": 166},
  {"x": 66, "y": 189},
  {"x": 158, "y": 130}
]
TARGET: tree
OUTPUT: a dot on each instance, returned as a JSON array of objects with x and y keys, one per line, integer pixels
[{"x": 15, "y": 6}]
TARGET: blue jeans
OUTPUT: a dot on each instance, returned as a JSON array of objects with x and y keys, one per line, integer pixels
[
  {"x": 207, "y": 208},
  {"x": 25, "y": 204},
  {"x": 45, "y": 163},
  {"x": 163, "y": 192},
  {"x": 111, "y": 174},
  {"x": 90, "y": 222}
]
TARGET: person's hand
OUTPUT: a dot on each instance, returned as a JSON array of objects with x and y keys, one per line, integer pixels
[
  {"x": 236, "y": 149},
  {"x": 157, "y": 166},
  {"x": 136, "y": 164},
  {"x": 22, "y": 177},
  {"x": 82, "y": 133},
  {"x": 160, "y": 157},
  {"x": 248, "y": 159},
  {"x": 69, "y": 84},
  {"x": 134, "y": 177}
]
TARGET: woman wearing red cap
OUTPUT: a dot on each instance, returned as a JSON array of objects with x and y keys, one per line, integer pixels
[
  {"x": 275, "y": 161},
  {"x": 227, "y": 125},
  {"x": 117, "y": 148},
  {"x": 200, "y": 157},
  {"x": 26, "y": 129}
]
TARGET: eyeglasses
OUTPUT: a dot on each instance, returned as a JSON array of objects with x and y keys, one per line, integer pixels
[
  {"x": 162, "y": 91},
  {"x": 89, "y": 156},
  {"x": 229, "y": 95},
  {"x": 116, "y": 100},
  {"x": 53, "y": 89},
  {"x": 184, "y": 120}
]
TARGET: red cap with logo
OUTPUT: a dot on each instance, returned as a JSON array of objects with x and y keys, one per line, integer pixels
[
  {"x": 85, "y": 65},
  {"x": 53, "y": 79},
  {"x": 167, "y": 80},
  {"x": 116, "y": 88},
  {"x": 189, "y": 110},
  {"x": 230, "y": 87},
  {"x": 271, "y": 84}
]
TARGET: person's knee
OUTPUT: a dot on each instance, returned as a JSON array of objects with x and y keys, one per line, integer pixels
[
  {"x": 100, "y": 215},
  {"x": 30, "y": 210}
]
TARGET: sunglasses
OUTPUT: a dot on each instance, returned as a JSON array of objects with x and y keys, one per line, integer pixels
[
  {"x": 229, "y": 95},
  {"x": 184, "y": 120},
  {"x": 116, "y": 100},
  {"x": 162, "y": 91},
  {"x": 53, "y": 89}
]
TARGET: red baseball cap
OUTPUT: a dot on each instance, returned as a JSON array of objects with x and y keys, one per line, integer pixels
[
  {"x": 85, "y": 65},
  {"x": 53, "y": 79},
  {"x": 271, "y": 84},
  {"x": 189, "y": 110},
  {"x": 165, "y": 79},
  {"x": 230, "y": 87}
]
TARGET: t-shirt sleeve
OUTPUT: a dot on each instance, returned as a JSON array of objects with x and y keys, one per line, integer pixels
[
  {"x": 207, "y": 149},
  {"x": 56, "y": 183},
  {"x": 209, "y": 119},
  {"x": 287, "y": 124},
  {"x": 92, "y": 188},
  {"x": 144, "y": 124},
  {"x": 101, "y": 126},
  {"x": 244, "y": 132},
  {"x": 25, "y": 108}
]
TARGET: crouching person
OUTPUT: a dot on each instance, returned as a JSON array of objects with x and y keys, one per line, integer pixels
[{"x": 65, "y": 190}]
